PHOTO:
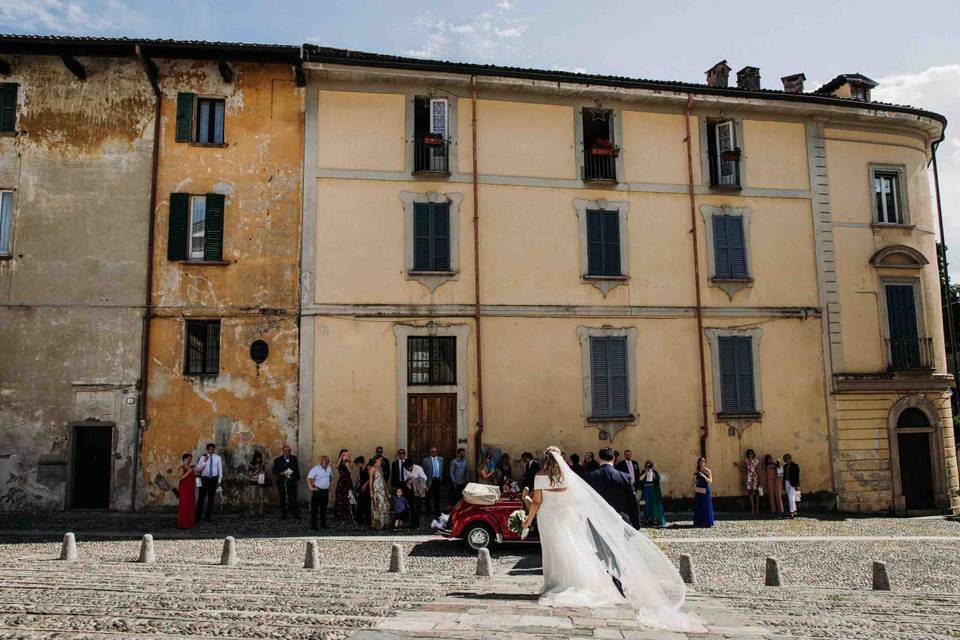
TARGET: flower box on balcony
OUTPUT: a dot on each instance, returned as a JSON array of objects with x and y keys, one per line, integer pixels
[
  {"x": 432, "y": 140},
  {"x": 604, "y": 148}
]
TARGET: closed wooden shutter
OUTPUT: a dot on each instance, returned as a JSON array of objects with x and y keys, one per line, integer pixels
[
  {"x": 8, "y": 106},
  {"x": 177, "y": 230},
  {"x": 737, "y": 393},
  {"x": 213, "y": 230},
  {"x": 184, "y": 130},
  {"x": 422, "y": 258},
  {"x": 617, "y": 353},
  {"x": 729, "y": 247},
  {"x": 441, "y": 237},
  {"x": 599, "y": 375},
  {"x": 431, "y": 236},
  {"x": 608, "y": 373},
  {"x": 603, "y": 243},
  {"x": 594, "y": 242}
]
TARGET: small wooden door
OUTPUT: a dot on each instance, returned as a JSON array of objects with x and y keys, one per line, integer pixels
[
  {"x": 916, "y": 474},
  {"x": 431, "y": 422},
  {"x": 92, "y": 449}
]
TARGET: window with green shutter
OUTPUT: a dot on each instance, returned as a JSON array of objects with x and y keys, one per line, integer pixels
[
  {"x": 431, "y": 236},
  {"x": 608, "y": 375},
  {"x": 729, "y": 248},
  {"x": 737, "y": 393},
  {"x": 8, "y": 107},
  {"x": 196, "y": 227},
  {"x": 603, "y": 243},
  {"x": 185, "y": 117}
]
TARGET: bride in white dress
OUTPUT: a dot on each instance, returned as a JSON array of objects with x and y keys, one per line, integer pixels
[{"x": 585, "y": 544}]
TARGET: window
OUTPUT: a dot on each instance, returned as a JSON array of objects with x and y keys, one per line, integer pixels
[
  {"x": 906, "y": 348},
  {"x": 6, "y": 214},
  {"x": 431, "y": 241},
  {"x": 199, "y": 120},
  {"x": 886, "y": 190},
  {"x": 203, "y": 347},
  {"x": 603, "y": 243},
  {"x": 723, "y": 153},
  {"x": 736, "y": 375},
  {"x": 599, "y": 147},
  {"x": 431, "y": 135},
  {"x": 8, "y": 107},
  {"x": 729, "y": 248},
  {"x": 608, "y": 375},
  {"x": 196, "y": 227},
  {"x": 431, "y": 360}
]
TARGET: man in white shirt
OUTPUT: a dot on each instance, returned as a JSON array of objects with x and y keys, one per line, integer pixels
[
  {"x": 433, "y": 466},
  {"x": 414, "y": 475},
  {"x": 210, "y": 471},
  {"x": 318, "y": 481}
]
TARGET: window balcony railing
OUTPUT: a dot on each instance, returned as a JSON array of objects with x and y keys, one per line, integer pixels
[
  {"x": 431, "y": 154},
  {"x": 725, "y": 170},
  {"x": 600, "y": 164},
  {"x": 909, "y": 353}
]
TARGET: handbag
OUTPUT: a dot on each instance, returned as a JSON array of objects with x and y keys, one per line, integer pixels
[
  {"x": 262, "y": 479},
  {"x": 199, "y": 484},
  {"x": 419, "y": 487},
  {"x": 760, "y": 490}
]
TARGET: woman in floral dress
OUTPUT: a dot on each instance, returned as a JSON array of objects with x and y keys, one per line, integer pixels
[
  {"x": 751, "y": 479},
  {"x": 379, "y": 498},
  {"x": 341, "y": 500}
]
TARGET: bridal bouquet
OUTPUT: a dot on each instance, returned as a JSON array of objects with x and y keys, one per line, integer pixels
[{"x": 515, "y": 521}]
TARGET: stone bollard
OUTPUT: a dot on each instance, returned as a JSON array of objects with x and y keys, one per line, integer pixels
[
  {"x": 772, "y": 579},
  {"x": 396, "y": 559},
  {"x": 311, "y": 559},
  {"x": 881, "y": 581},
  {"x": 68, "y": 550},
  {"x": 147, "y": 555},
  {"x": 686, "y": 569},
  {"x": 229, "y": 555},
  {"x": 484, "y": 564}
]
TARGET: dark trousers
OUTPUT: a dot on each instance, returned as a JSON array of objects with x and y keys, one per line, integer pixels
[
  {"x": 363, "y": 508},
  {"x": 416, "y": 506},
  {"x": 208, "y": 489},
  {"x": 288, "y": 498},
  {"x": 318, "y": 506},
  {"x": 433, "y": 496},
  {"x": 458, "y": 492}
]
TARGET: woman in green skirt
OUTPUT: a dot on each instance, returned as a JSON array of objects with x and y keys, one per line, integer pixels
[{"x": 653, "y": 499}]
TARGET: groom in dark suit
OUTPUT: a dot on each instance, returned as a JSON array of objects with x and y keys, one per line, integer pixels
[{"x": 615, "y": 487}]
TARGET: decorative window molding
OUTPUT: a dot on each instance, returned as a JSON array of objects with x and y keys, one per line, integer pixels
[
  {"x": 706, "y": 161},
  {"x": 899, "y": 256},
  {"x": 617, "y": 128},
  {"x": 729, "y": 285},
  {"x": 713, "y": 339},
  {"x": 410, "y": 136},
  {"x": 607, "y": 425},
  {"x": 462, "y": 334},
  {"x": 603, "y": 283},
  {"x": 431, "y": 280},
  {"x": 901, "y": 217}
]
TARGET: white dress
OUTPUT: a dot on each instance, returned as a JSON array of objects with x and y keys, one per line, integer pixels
[{"x": 573, "y": 575}]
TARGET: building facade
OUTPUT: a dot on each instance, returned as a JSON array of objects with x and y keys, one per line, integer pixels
[{"x": 500, "y": 258}]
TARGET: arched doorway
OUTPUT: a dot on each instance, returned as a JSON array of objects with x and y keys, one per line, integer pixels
[{"x": 915, "y": 454}]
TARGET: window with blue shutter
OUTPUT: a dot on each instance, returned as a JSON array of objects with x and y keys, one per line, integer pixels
[
  {"x": 729, "y": 248},
  {"x": 608, "y": 374},
  {"x": 431, "y": 236},
  {"x": 8, "y": 107},
  {"x": 603, "y": 243},
  {"x": 737, "y": 392}
]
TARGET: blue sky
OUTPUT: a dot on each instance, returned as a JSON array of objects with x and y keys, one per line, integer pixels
[{"x": 913, "y": 49}]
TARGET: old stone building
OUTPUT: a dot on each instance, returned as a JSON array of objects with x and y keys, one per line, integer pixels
[
  {"x": 502, "y": 258},
  {"x": 223, "y": 363}
]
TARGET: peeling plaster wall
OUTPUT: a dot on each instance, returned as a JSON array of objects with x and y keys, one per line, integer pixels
[
  {"x": 244, "y": 408},
  {"x": 71, "y": 296}
]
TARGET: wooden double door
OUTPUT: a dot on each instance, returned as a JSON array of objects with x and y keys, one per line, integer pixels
[{"x": 431, "y": 422}]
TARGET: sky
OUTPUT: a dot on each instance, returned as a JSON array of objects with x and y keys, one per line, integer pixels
[{"x": 912, "y": 50}]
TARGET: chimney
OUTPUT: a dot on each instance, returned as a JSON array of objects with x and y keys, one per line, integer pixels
[
  {"x": 718, "y": 74},
  {"x": 749, "y": 78},
  {"x": 794, "y": 83}
]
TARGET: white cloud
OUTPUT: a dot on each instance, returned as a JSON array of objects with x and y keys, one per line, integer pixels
[
  {"x": 936, "y": 89},
  {"x": 62, "y": 16},
  {"x": 482, "y": 37}
]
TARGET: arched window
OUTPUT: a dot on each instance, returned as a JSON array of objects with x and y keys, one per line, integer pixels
[{"x": 913, "y": 418}]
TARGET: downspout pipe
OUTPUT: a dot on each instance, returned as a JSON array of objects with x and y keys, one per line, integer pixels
[
  {"x": 478, "y": 436},
  {"x": 704, "y": 428},
  {"x": 951, "y": 331},
  {"x": 150, "y": 68}
]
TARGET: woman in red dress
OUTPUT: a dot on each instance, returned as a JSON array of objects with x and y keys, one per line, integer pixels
[{"x": 187, "y": 489}]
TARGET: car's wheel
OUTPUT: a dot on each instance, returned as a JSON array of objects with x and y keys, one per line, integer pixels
[{"x": 478, "y": 536}]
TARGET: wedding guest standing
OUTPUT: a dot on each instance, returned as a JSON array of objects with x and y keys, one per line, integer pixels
[
  {"x": 318, "y": 482},
  {"x": 772, "y": 474},
  {"x": 590, "y": 462},
  {"x": 363, "y": 491},
  {"x": 385, "y": 463},
  {"x": 458, "y": 474},
  {"x": 751, "y": 480},
  {"x": 287, "y": 470},
  {"x": 575, "y": 465},
  {"x": 341, "y": 496},
  {"x": 186, "y": 487},
  {"x": 505, "y": 471},
  {"x": 630, "y": 467},
  {"x": 791, "y": 483},
  {"x": 379, "y": 498},
  {"x": 210, "y": 470},
  {"x": 257, "y": 482},
  {"x": 653, "y": 513},
  {"x": 702, "y": 502},
  {"x": 530, "y": 469},
  {"x": 433, "y": 466},
  {"x": 397, "y": 475},
  {"x": 417, "y": 490},
  {"x": 487, "y": 471}
]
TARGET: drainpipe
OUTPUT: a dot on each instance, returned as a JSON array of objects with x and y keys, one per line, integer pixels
[
  {"x": 946, "y": 272},
  {"x": 696, "y": 280},
  {"x": 150, "y": 69},
  {"x": 478, "y": 437}
]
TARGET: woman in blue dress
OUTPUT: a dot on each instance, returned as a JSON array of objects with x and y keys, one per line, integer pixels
[{"x": 702, "y": 503}]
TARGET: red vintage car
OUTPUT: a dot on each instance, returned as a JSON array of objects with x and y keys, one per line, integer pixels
[{"x": 481, "y": 525}]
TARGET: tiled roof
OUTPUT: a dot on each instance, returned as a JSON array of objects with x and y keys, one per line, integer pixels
[
  {"x": 92, "y": 46},
  {"x": 845, "y": 77}
]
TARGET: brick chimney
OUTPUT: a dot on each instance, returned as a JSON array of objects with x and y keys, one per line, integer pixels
[
  {"x": 794, "y": 83},
  {"x": 718, "y": 74},
  {"x": 749, "y": 78}
]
